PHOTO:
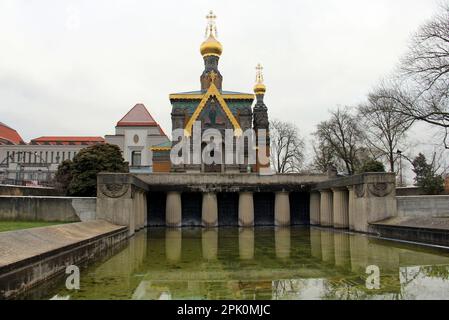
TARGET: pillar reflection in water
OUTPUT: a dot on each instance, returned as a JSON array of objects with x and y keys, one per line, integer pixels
[
  {"x": 209, "y": 241},
  {"x": 327, "y": 246},
  {"x": 173, "y": 244},
  {"x": 282, "y": 242},
  {"x": 359, "y": 253},
  {"x": 342, "y": 249},
  {"x": 246, "y": 243},
  {"x": 315, "y": 243}
]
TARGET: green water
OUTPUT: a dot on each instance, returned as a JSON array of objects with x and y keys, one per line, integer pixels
[{"x": 260, "y": 263}]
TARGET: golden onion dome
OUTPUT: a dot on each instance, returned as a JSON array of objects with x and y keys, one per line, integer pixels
[
  {"x": 259, "y": 88},
  {"x": 211, "y": 47}
]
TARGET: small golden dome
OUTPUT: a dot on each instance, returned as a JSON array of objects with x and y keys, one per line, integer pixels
[
  {"x": 211, "y": 47},
  {"x": 259, "y": 88}
]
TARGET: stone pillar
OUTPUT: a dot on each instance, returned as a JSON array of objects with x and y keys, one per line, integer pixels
[
  {"x": 173, "y": 244},
  {"x": 138, "y": 210},
  {"x": 117, "y": 201},
  {"x": 282, "y": 209},
  {"x": 246, "y": 209},
  {"x": 374, "y": 200},
  {"x": 326, "y": 208},
  {"x": 314, "y": 208},
  {"x": 340, "y": 208},
  {"x": 282, "y": 242},
  {"x": 210, "y": 210},
  {"x": 246, "y": 243},
  {"x": 145, "y": 210},
  {"x": 173, "y": 209},
  {"x": 209, "y": 242},
  {"x": 351, "y": 211}
]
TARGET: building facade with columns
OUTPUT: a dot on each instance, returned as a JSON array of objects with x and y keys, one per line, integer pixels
[{"x": 36, "y": 162}]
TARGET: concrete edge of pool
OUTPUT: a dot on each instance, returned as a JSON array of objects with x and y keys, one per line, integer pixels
[{"x": 31, "y": 256}]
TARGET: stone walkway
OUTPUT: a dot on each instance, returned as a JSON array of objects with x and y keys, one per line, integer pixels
[
  {"x": 416, "y": 222},
  {"x": 23, "y": 244}
]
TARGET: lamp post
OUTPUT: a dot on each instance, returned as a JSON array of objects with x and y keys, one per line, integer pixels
[{"x": 399, "y": 152}]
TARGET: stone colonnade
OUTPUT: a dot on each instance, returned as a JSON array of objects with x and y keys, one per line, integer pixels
[
  {"x": 353, "y": 202},
  {"x": 173, "y": 209}
]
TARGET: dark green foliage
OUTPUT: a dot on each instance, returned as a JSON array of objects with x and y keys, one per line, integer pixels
[
  {"x": 426, "y": 177},
  {"x": 63, "y": 176},
  {"x": 87, "y": 164},
  {"x": 372, "y": 166}
]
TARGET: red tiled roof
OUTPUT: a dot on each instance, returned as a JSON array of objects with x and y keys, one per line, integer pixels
[
  {"x": 67, "y": 140},
  {"x": 9, "y": 134},
  {"x": 138, "y": 116}
]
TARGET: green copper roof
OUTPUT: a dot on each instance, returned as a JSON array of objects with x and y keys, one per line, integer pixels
[
  {"x": 163, "y": 144},
  {"x": 200, "y": 92}
]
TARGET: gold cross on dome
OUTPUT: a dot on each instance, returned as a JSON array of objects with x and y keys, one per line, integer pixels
[
  {"x": 212, "y": 76},
  {"x": 259, "y": 75},
  {"x": 211, "y": 29}
]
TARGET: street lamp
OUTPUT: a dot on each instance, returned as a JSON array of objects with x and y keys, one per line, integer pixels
[{"x": 399, "y": 152}]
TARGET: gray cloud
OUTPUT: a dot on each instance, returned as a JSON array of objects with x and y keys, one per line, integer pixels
[{"x": 75, "y": 67}]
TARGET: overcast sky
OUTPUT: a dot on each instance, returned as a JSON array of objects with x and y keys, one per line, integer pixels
[{"x": 76, "y": 67}]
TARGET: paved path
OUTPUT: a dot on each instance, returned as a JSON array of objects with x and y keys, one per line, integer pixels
[
  {"x": 23, "y": 244},
  {"x": 416, "y": 222}
]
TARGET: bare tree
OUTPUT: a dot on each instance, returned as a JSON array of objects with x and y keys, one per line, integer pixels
[
  {"x": 423, "y": 91},
  {"x": 384, "y": 129},
  {"x": 342, "y": 134},
  {"x": 427, "y": 62},
  {"x": 324, "y": 157},
  {"x": 287, "y": 147}
]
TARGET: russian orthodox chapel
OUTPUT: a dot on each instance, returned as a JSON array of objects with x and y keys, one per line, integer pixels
[{"x": 214, "y": 107}]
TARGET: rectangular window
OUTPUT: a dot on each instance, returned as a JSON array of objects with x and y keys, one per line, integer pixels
[
  {"x": 136, "y": 158},
  {"x": 63, "y": 155},
  {"x": 7, "y": 158},
  {"x": 52, "y": 157}
]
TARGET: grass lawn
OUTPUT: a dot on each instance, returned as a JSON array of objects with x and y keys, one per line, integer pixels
[{"x": 16, "y": 225}]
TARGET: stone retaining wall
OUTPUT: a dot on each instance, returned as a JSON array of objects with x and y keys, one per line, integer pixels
[
  {"x": 10, "y": 190},
  {"x": 29, "y": 257},
  {"x": 63, "y": 209},
  {"x": 423, "y": 206}
]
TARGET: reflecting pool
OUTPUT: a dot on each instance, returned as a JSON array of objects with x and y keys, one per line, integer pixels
[{"x": 260, "y": 263}]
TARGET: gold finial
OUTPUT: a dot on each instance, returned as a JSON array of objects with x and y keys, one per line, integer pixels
[
  {"x": 211, "y": 29},
  {"x": 259, "y": 75},
  {"x": 211, "y": 46},
  {"x": 259, "y": 87}
]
